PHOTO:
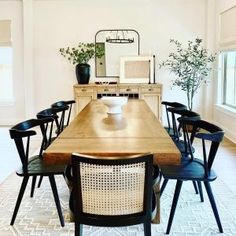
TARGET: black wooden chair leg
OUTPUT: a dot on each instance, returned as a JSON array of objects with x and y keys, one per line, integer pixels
[
  {"x": 195, "y": 187},
  {"x": 163, "y": 186},
  {"x": 40, "y": 181},
  {"x": 213, "y": 205},
  {"x": 56, "y": 198},
  {"x": 174, "y": 204},
  {"x": 33, "y": 185},
  {"x": 78, "y": 230},
  {"x": 199, "y": 184},
  {"x": 20, "y": 196},
  {"x": 147, "y": 228}
]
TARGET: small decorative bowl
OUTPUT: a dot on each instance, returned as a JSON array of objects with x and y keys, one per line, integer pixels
[{"x": 114, "y": 104}]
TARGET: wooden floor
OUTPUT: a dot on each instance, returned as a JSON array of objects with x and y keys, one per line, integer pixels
[{"x": 224, "y": 165}]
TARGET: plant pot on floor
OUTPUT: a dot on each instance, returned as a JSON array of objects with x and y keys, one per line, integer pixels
[{"x": 82, "y": 73}]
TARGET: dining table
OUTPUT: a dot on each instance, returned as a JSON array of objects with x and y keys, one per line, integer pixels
[{"x": 136, "y": 130}]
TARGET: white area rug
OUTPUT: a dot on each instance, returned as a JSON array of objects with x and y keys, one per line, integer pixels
[{"x": 38, "y": 215}]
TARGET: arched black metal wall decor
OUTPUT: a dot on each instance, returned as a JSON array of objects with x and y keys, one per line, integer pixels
[{"x": 116, "y": 43}]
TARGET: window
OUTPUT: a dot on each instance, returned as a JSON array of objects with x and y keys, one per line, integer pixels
[
  {"x": 228, "y": 65},
  {"x": 6, "y": 91},
  {"x": 6, "y": 86}
]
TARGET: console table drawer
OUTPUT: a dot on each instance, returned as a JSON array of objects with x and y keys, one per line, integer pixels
[
  {"x": 106, "y": 90},
  {"x": 84, "y": 90},
  {"x": 128, "y": 90},
  {"x": 151, "y": 90}
]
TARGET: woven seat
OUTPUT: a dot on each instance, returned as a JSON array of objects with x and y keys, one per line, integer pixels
[{"x": 110, "y": 192}]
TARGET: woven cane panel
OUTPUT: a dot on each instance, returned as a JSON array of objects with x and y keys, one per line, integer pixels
[{"x": 112, "y": 190}]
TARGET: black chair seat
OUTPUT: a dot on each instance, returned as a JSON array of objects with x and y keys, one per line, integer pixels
[
  {"x": 36, "y": 166},
  {"x": 181, "y": 145},
  {"x": 170, "y": 131},
  {"x": 188, "y": 170}
]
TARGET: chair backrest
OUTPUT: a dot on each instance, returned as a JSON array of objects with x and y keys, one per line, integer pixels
[
  {"x": 21, "y": 134},
  {"x": 173, "y": 105},
  {"x": 207, "y": 132},
  {"x": 182, "y": 113},
  {"x": 112, "y": 187},
  {"x": 69, "y": 104},
  {"x": 52, "y": 113}
]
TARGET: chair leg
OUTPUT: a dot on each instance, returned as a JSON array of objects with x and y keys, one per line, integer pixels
[
  {"x": 20, "y": 196},
  {"x": 78, "y": 229},
  {"x": 174, "y": 204},
  {"x": 195, "y": 187},
  {"x": 147, "y": 228},
  {"x": 163, "y": 186},
  {"x": 33, "y": 186},
  {"x": 56, "y": 198},
  {"x": 213, "y": 205},
  {"x": 40, "y": 181},
  {"x": 199, "y": 184}
]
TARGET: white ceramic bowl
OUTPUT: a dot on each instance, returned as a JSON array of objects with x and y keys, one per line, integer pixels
[{"x": 114, "y": 104}]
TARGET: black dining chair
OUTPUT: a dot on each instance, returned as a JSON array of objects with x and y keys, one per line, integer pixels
[
  {"x": 170, "y": 123},
  {"x": 112, "y": 192},
  {"x": 51, "y": 113},
  {"x": 196, "y": 169},
  {"x": 34, "y": 166},
  {"x": 65, "y": 117},
  {"x": 183, "y": 144}
]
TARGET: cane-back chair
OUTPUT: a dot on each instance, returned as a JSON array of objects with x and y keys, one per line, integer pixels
[{"x": 112, "y": 192}]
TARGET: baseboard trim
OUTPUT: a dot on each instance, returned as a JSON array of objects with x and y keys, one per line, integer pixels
[{"x": 228, "y": 134}]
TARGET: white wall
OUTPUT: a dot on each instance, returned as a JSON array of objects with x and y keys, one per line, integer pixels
[
  {"x": 65, "y": 22},
  {"x": 12, "y": 10},
  {"x": 224, "y": 117},
  {"x": 61, "y": 23}
]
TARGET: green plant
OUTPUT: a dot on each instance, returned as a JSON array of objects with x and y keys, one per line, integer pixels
[
  {"x": 191, "y": 65},
  {"x": 82, "y": 53}
]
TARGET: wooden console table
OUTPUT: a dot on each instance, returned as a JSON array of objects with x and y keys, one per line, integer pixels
[{"x": 151, "y": 93}]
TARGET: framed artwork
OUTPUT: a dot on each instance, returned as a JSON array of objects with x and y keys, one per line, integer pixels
[{"x": 137, "y": 69}]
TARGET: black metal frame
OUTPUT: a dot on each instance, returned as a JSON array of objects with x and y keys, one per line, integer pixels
[
  {"x": 111, "y": 30},
  {"x": 118, "y": 220}
]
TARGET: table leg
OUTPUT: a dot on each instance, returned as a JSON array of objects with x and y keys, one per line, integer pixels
[{"x": 156, "y": 189}]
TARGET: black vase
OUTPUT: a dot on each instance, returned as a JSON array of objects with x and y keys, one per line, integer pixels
[{"x": 82, "y": 72}]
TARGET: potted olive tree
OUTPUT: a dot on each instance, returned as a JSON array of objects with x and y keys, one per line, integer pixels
[
  {"x": 191, "y": 65},
  {"x": 80, "y": 56}
]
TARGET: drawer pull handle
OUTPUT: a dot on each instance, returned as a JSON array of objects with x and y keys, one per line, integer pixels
[
  {"x": 150, "y": 89},
  {"x": 105, "y": 90},
  {"x": 128, "y": 89},
  {"x": 84, "y": 90}
]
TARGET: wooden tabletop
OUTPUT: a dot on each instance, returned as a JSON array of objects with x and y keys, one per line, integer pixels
[{"x": 93, "y": 131}]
